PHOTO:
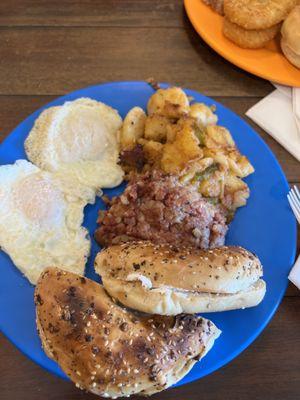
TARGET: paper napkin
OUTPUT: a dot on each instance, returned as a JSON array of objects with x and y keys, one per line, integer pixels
[
  {"x": 279, "y": 115},
  {"x": 294, "y": 275}
]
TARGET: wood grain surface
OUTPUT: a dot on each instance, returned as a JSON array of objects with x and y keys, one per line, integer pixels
[{"x": 49, "y": 48}]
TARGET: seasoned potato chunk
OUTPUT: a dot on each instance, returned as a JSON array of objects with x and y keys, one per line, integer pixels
[
  {"x": 171, "y": 103},
  {"x": 218, "y": 137},
  {"x": 236, "y": 190},
  {"x": 185, "y": 148},
  {"x": 203, "y": 115},
  {"x": 239, "y": 164},
  {"x": 133, "y": 128},
  {"x": 184, "y": 139},
  {"x": 153, "y": 150},
  {"x": 156, "y": 127}
]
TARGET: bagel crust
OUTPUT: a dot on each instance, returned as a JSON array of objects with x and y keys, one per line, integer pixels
[{"x": 108, "y": 350}]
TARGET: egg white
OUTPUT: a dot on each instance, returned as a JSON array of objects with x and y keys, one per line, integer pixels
[
  {"x": 40, "y": 220},
  {"x": 78, "y": 141}
]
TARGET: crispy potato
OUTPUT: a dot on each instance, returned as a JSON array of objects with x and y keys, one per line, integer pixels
[
  {"x": 203, "y": 115},
  {"x": 170, "y": 103},
  {"x": 195, "y": 167},
  {"x": 153, "y": 150},
  {"x": 233, "y": 184},
  {"x": 237, "y": 190},
  {"x": 240, "y": 198},
  {"x": 185, "y": 140},
  {"x": 231, "y": 160},
  {"x": 212, "y": 186},
  {"x": 218, "y": 137},
  {"x": 185, "y": 148},
  {"x": 239, "y": 164},
  {"x": 156, "y": 127},
  {"x": 133, "y": 128},
  {"x": 172, "y": 130}
]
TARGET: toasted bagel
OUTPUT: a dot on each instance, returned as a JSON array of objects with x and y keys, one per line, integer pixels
[{"x": 108, "y": 350}]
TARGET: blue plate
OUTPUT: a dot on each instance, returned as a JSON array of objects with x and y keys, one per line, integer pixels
[{"x": 265, "y": 226}]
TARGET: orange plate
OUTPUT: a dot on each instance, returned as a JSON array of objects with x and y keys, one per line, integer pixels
[{"x": 268, "y": 63}]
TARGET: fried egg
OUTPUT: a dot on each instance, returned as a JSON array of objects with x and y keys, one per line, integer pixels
[
  {"x": 40, "y": 221},
  {"x": 78, "y": 141}
]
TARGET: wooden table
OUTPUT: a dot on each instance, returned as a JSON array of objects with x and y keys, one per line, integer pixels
[{"x": 49, "y": 48}]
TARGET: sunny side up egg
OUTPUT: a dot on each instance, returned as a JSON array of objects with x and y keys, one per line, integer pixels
[
  {"x": 78, "y": 141},
  {"x": 40, "y": 221}
]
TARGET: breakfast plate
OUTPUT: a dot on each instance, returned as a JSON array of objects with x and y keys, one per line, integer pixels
[
  {"x": 268, "y": 63},
  {"x": 266, "y": 226}
]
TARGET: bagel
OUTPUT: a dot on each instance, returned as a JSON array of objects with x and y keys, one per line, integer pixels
[
  {"x": 163, "y": 279},
  {"x": 110, "y": 351}
]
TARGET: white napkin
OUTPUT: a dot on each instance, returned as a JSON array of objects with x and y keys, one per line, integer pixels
[
  {"x": 279, "y": 115},
  {"x": 294, "y": 275}
]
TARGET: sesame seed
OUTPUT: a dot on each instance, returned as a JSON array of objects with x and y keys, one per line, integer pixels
[
  {"x": 97, "y": 366},
  {"x": 88, "y": 323},
  {"x": 136, "y": 371},
  {"x": 78, "y": 373},
  {"x": 93, "y": 372},
  {"x": 94, "y": 384}
]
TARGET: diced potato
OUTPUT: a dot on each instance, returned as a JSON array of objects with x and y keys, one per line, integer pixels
[
  {"x": 218, "y": 137},
  {"x": 240, "y": 198},
  {"x": 153, "y": 150},
  {"x": 236, "y": 192},
  {"x": 203, "y": 115},
  {"x": 233, "y": 184},
  {"x": 171, "y": 103},
  {"x": 156, "y": 128},
  {"x": 240, "y": 165},
  {"x": 195, "y": 167},
  {"x": 211, "y": 187},
  {"x": 178, "y": 154},
  {"x": 172, "y": 130},
  {"x": 133, "y": 128}
]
